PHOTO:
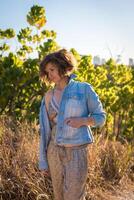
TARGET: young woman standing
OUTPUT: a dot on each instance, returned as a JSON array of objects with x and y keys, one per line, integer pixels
[{"x": 66, "y": 114}]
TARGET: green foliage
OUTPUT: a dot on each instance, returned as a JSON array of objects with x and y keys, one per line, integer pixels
[
  {"x": 4, "y": 47},
  {"x": 76, "y": 54},
  {"x": 8, "y": 33},
  {"x": 19, "y": 86},
  {"x": 47, "y": 47},
  {"x": 47, "y": 33},
  {"x": 24, "y": 50},
  {"x": 24, "y": 35},
  {"x": 36, "y": 16},
  {"x": 114, "y": 85},
  {"x": 21, "y": 90}
]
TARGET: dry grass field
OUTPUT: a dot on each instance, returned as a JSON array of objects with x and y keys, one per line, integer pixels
[{"x": 111, "y": 166}]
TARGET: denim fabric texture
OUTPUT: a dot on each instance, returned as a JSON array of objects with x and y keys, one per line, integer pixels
[{"x": 78, "y": 100}]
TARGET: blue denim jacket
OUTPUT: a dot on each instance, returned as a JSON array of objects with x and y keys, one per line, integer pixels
[{"x": 78, "y": 100}]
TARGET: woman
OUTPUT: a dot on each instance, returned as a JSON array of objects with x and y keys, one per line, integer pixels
[{"x": 66, "y": 114}]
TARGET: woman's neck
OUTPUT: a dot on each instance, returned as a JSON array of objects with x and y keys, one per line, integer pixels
[{"x": 62, "y": 83}]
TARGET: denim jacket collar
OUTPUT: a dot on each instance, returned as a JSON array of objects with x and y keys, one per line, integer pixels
[{"x": 71, "y": 80}]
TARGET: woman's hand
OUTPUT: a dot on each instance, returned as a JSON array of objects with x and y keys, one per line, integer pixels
[{"x": 77, "y": 122}]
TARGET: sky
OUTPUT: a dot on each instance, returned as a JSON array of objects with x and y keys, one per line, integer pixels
[{"x": 93, "y": 27}]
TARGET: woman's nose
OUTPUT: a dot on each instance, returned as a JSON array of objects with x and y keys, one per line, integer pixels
[{"x": 49, "y": 75}]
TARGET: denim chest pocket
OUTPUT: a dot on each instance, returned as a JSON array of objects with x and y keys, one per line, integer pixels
[
  {"x": 77, "y": 96},
  {"x": 74, "y": 105}
]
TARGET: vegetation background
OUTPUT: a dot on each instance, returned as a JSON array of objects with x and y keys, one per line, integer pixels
[{"x": 111, "y": 156}]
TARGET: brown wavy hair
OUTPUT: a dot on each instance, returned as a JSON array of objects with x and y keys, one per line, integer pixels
[{"x": 62, "y": 59}]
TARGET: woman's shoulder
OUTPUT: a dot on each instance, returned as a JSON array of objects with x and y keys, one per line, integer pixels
[
  {"x": 84, "y": 84},
  {"x": 85, "y": 87}
]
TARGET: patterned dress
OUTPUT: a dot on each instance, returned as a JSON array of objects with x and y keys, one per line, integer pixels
[{"x": 68, "y": 165}]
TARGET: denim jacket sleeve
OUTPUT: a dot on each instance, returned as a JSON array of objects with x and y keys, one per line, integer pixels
[
  {"x": 95, "y": 107},
  {"x": 44, "y": 136}
]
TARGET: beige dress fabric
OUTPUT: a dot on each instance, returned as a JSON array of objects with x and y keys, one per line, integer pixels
[{"x": 68, "y": 166}]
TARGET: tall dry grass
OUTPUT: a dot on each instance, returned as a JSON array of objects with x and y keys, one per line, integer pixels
[{"x": 110, "y": 164}]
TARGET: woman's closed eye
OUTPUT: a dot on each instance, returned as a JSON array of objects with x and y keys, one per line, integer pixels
[{"x": 51, "y": 70}]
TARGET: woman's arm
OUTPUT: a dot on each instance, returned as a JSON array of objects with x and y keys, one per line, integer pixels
[
  {"x": 96, "y": 116},
  {"x": 44, "y": 133},
  {"x": 77, "y": 122},
  {"x": 95, "y": 108}
]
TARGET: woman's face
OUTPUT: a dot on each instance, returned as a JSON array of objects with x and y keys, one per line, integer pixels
[{"x": 52, "y": 72}]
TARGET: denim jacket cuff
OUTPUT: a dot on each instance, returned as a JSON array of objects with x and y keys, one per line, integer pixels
[
  {"x": 43, "y": 165},
  {"x": 99, "y": 121}
]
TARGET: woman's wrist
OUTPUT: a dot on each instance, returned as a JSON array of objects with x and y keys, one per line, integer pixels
[{"x": 88, "y": 121}]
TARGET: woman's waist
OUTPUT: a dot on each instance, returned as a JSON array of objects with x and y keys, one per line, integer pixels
[
  {"x": 70, "y": 138},
  {"x": 68, "y": 146},
  {"x": 53, "y": 138},
  {"x": 73, "y": 146}
]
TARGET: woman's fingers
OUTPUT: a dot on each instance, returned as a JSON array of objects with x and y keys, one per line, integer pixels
[
  {"x": 67, "y": 120},
  {"x": 74, "y": 122},
  {"x": 71, "y": 122}
]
